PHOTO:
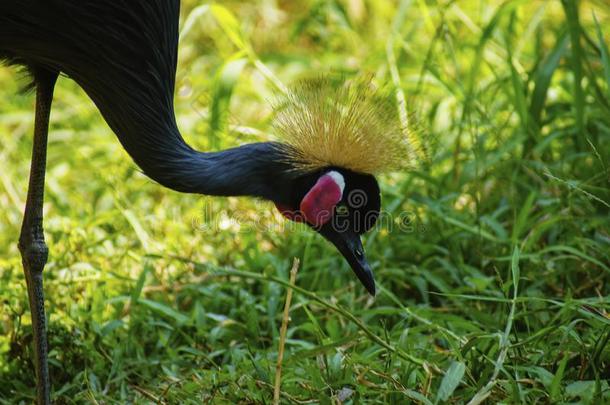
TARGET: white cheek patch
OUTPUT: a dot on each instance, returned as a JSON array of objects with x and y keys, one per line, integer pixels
[{"x": 338, "y": 179}]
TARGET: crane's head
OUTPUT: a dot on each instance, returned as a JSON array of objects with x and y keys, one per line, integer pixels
[
  {"x": 337, "y": 135},
  {"x": 341, "y": 205}
]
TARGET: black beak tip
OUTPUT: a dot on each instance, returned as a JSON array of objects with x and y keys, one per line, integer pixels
[
  {"x": 367, "y": 279},
  {"x": 350, "y": 246},
  {"x": 371, "y": 289}
]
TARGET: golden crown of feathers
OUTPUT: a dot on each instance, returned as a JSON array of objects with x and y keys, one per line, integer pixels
[{"x": 350, "y": 124}]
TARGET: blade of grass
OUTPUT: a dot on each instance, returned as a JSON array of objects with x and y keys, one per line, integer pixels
[
  {"x": 193, "y": 16},
  {"x": 224, "y": 83},
  {"x": 519, "y": 88},
  {"x": 543, "y": 75},
  {"x": 572, "y": 186},
  {"x": 605, "y": 55},
  {"x": 521, "y": 221},
  {"x": 571, "y": 12},
  {"x": 451, "y": 380},
  {"x": 556, "y": 383},
  {"x": 283, "y": 330}
]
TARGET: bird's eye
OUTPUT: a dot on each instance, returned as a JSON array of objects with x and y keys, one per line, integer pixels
[{"x": 342, "y": 209}]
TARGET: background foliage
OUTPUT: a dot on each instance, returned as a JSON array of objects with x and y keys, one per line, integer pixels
[{"x": 494, "y": 288}]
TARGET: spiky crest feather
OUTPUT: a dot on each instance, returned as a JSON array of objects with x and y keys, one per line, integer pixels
[{"x": 349, "y": 124}]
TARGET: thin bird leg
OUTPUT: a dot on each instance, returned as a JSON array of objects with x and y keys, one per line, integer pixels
[{"x": 34, "y": 251}]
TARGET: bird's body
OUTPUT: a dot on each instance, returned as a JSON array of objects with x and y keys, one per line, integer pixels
[{"x": 123, "y": 53}]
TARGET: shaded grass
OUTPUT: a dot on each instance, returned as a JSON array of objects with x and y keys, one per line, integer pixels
[{"x": 493, "y": 271}]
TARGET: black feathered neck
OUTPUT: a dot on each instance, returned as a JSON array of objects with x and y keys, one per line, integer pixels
[{"x": 124, "y": 57}]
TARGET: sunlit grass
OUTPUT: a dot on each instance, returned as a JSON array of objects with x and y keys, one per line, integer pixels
[{"x": 495, "y": 286}]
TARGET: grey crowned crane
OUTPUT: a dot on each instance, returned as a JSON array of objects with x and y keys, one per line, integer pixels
[{"x": 123, "y": 54}]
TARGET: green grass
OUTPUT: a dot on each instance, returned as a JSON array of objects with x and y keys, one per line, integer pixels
[{"x": 494, "y": 279}]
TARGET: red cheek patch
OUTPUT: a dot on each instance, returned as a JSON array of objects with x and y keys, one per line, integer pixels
[{"x": 318, "y": 204}]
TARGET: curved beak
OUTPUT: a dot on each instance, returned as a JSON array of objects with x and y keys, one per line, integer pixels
[{"x": 349, "y": 245}]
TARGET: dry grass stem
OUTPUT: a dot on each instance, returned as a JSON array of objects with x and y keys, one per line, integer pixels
[{"x": 284, "y": 328}]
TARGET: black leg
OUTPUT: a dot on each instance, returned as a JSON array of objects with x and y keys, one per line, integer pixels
[{"x": 34, "y": 251}]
